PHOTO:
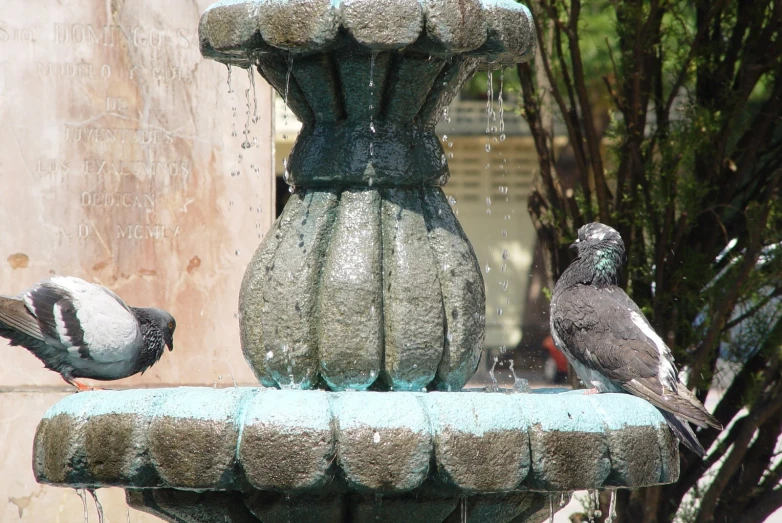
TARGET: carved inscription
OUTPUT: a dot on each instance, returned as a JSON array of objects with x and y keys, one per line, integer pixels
[{"x": 124, "y": 163}]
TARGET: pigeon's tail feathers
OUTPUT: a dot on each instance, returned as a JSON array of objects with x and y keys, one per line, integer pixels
[
  {"x": 684, "y": 433},
  {"x": 682, "y": 403},
  {"x": 15, "y": 318},
  {"x": 706, "y": 419}
]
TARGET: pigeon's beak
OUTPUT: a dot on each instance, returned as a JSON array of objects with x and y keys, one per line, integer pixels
[{"x": 170, "y": 344}]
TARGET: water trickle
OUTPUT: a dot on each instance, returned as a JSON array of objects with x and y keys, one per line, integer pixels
[
  {"x": 246, "y": 143},
  {"x": 83, "y": 496},
  {"x": 562, "y": 499},
  {"x": 551, "y": 508},
  {"x": 230, "y": 89},
  {"x": 501, "y": 104},
  {"x": 98, "y": 506},
  {"x": 378, "y": 504},
  {"x": 494, "y": 386},
  {"x": 251, "y": 75},
  {"x": 519, "y": 384},
  {"x": 591, "y": 505},
  {"x": 611, "y": 507},
  {"x": 463, "y": 508},
  {"x": 372, "y": 129},
  {"x": 287, "y": 89},
  {"x": 127, "y": 513},
  {"x": 489, "y": 100}
]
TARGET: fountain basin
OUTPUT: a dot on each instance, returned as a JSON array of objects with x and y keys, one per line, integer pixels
[{"x": 349, "y": 451}]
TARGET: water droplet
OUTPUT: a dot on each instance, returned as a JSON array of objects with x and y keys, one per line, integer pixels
[
  {"x": 505, "y": 254},
  {"x": 236, "y": 252},
  {"x": 504, "y": 232},
  {"x": 376, "y": 437},
  {"x": 452, "y": 200},
  {"x": 269, "y": 355},
  {"x": 488, "y": 268},
  {"x": 502, "y": 137},
  {"x": 499, "y": 311},
  {"x": 488, "y": 201},
  {"x": 488, "y": 147}
]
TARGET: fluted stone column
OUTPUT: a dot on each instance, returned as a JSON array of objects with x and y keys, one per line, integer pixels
[{"x": 367, "y": 279}]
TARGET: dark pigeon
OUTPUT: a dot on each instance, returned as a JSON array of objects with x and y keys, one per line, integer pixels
[
  {"x": 83, "y": 330},
  {"x": 609, "y": 341}
]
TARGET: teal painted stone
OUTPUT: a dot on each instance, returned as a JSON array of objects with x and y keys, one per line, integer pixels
[
  {"x": 351, "y": 456},
  {"x": 366, "y": 442}
]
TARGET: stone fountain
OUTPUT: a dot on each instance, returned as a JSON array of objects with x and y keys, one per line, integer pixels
[{"x": 361, "y": 313}]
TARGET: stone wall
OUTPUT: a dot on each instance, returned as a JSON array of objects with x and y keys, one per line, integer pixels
[{"x": 118, "y": 164}]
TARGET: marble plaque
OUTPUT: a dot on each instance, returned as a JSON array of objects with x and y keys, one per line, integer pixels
[{"x": 129, "y": 160}]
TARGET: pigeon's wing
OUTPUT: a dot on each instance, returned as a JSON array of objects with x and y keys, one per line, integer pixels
[
  {"x": 84, "y": 319},
  {"x": 15, "y": 317},
  {"x": 601, "y": 331},
  {"x": 606, "y": 331}
]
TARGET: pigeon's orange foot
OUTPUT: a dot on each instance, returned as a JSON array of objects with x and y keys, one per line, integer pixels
[
  {"x": 593, "y": 390},
  {"x": 81, "y": 387}
]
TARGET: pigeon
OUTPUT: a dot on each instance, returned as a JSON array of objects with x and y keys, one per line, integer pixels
[
  {"x": 610, "y": 343},
  {"x": 84, "y": 330}
]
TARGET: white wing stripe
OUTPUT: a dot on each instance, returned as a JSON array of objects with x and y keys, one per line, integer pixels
[
  {"x": 62, "y": 332},
  {"x": 665, "y": 371}
]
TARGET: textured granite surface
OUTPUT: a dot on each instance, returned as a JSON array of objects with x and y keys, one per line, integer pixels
[
  {"x": 367, "y": 280},
  {"x": 363, "y": 442}
]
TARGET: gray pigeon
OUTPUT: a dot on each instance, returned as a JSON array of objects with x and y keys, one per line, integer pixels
[
  {"x": 83, "y": 330},
  {"x": 609, "y": 341}
]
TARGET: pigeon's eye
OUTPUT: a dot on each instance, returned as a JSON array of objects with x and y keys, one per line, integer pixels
[{"x": 171, "y": 325}]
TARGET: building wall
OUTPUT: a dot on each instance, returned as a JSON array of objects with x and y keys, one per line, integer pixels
[{"x": 121, "y": 162}]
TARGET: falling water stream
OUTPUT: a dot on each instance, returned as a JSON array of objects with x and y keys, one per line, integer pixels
[
  {"x": 372, "y": 129},
  {"x": 83, "y": 496},
  {"x": 247, "y": 144},
  {"x": 286, "y": 174},
  {"x": 551, "y": 508},
  {"x": 98, "y": 506}
]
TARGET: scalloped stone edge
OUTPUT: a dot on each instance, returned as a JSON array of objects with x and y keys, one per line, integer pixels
[
  {"x": 238, "y": 438},
  {"x": 496, "y": 31}
]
